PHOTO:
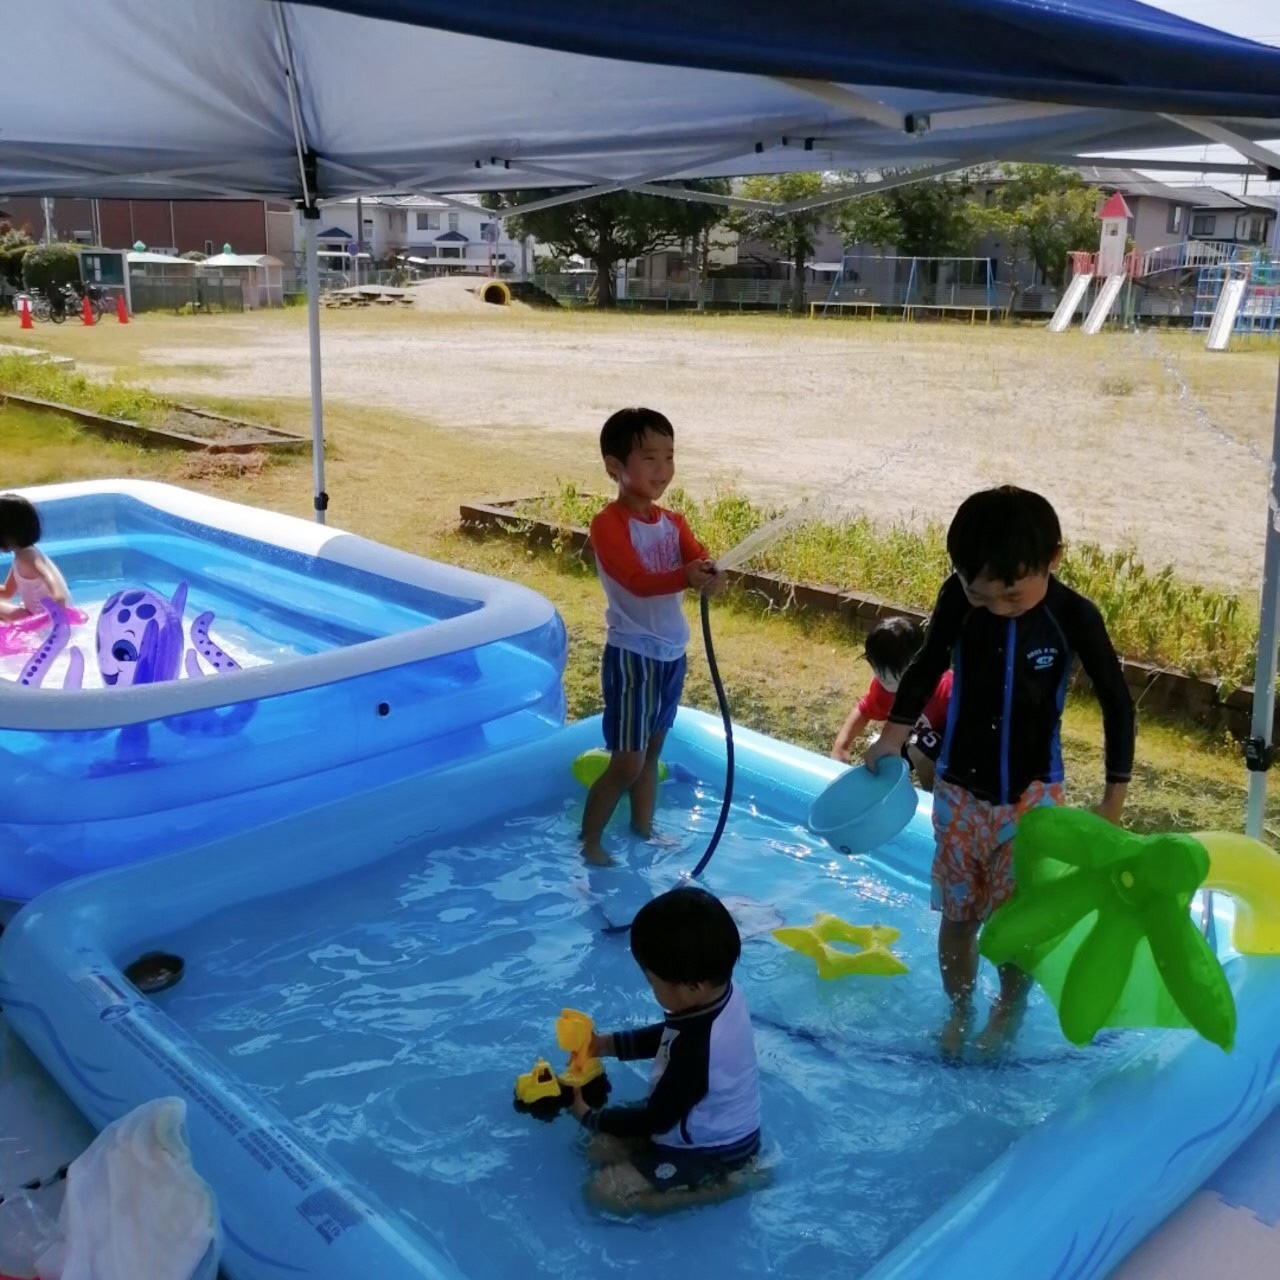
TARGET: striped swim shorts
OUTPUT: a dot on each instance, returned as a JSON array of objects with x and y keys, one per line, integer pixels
[{"x": 641, "y": 697}]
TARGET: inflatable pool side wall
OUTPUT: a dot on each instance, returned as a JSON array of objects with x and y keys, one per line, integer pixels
[
  {"x": 1065, "y": 1202},
  {"x": 93, "y": 778},
  {"x": 507, "y": 609}
]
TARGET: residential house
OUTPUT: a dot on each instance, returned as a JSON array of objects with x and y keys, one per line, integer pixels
[
  {"x": 433, "y": 235},
  {"x": 677, "y": 263},
  {"x": 1161, "y": 214},
  {"x": 1231, "y": 219},
  {"x": 756, "y": 258}
]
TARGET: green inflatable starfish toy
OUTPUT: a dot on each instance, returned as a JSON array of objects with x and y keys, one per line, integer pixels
[{"x": 1100, "y": 918}]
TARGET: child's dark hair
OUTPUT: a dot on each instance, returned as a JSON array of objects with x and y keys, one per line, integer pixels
[
  {"x": 1005, "y": 533},
  {"x": 686, "y": 935},
  {"x": 892, "y": 644},
  {"x": 19, "y": 523},
  {"x": 625, "y": 429}
]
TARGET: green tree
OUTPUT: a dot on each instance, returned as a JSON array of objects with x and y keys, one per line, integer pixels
[
  {"x": 612, "y": 228},
  {"x": 932, "y": 218},
  {"x": 794, "y": 235},
  {"x": 1046, "y": 211},
  {"x": 14, "y": 245},
  {"x": 48, "y": 267}
]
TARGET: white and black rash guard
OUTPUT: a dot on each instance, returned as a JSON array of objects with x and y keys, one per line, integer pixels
[{"x": 704, "y": 1090}]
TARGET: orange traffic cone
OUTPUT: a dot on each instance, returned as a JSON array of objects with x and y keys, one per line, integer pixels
[
  {"x": 25, "y": 309},
  {"x": 122, "y": 311},
  {"x": 86, "y": 311}
]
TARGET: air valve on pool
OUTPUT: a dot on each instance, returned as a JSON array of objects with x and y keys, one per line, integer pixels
[
  {"x": 543, "y": 1094},
  {"x": 155, "y": 971}
]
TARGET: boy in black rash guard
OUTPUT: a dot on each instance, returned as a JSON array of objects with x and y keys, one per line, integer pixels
[
  {"x": 1010, "y": 631},
  {"x": 701, "y": 1121}
]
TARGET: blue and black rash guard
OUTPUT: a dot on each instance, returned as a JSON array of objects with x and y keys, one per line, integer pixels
[
  {"x": 704, "y": 1090},
  {"x": 1010, "y": 683}
]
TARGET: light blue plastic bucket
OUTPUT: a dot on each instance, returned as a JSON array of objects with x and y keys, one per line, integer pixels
[{"x": 861, "y": 810}]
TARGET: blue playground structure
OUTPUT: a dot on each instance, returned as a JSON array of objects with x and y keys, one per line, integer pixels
[{"x": 1251, "y": 282}]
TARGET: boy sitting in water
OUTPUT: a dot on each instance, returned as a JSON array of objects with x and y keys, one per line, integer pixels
[
  {"x": 1010, "y": 632},
  {"x": 889, "y": 649},
  {"x": 646, "y": 557},
  {"x": 701, "y": 1121}
]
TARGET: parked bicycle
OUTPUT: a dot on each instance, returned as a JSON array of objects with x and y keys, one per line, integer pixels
[
  {"x": 101, "y": 302},
  {"x": 44, "y": 308}
]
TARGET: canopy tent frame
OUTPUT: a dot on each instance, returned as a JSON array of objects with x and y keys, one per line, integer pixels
[
  {"x": 1259, "y": 752},
  {"x": 1134, "y": 77},
  {"x": 311, "y": 220},
  {"x": 1258, "y": 749},
  {"x": 1262, "y": 157}
]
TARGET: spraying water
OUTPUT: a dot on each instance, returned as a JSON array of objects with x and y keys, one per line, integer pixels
[{"x": 832, "y": 500}]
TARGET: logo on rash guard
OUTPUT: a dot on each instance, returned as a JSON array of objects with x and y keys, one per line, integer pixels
[{"x": 1044, "y": 658}]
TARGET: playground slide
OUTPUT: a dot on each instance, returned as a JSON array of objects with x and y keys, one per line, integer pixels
[
  {"x": 1103, "y": 304},
  {"x": 1070, "y": 303},
  {"x": 1225, "y": 313}
]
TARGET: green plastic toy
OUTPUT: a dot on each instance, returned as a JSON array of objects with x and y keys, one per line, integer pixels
[
  {"x": 594, "y": 761},
  {"x": 1101, "y": 920}
]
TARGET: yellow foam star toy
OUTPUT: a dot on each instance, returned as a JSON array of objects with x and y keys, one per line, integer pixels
[{"x": 873, "y": 940}]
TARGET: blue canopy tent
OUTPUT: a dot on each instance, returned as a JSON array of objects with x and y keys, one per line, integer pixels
[
  {"x": 322, "y": 99},
  {"x": 1078, "y": 51}
]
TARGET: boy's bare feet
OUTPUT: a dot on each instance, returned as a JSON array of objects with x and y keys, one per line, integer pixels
[
  {"x": 661, "y": 840},
  {"x": 1002, "y": 1026},
  {"x": 593, "y": 852},
  {"x": 955, "y": 1031}
]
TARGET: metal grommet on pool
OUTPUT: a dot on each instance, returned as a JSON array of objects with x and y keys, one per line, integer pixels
[
  {"x": 155, "y": 971},
  {"x": 384, "y": 708}
]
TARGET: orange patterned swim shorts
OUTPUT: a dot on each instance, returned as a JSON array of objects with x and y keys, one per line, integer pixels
[{"x": 973, "y": 862}]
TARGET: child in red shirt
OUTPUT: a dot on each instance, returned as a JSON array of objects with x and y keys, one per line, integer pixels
[
  {"x": 890, "y": 647},
  {"x": 646, "y": 557}
]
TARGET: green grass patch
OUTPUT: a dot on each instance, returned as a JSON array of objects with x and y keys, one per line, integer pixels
[
  {"x": 115, "y": 399},
  {"x": 1153, "y": 615}
]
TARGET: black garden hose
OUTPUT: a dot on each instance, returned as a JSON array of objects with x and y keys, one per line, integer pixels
[{"x": 723, "y": 700}]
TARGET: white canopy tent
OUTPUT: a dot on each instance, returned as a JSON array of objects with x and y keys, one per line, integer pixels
[{"x": 317, "y": 101}]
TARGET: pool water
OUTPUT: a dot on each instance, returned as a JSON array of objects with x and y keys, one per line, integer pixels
[
  {"x": 387, "y": 1013},
  {"x": 269, "y": 603},
  {"x": 242, "y": 639}
]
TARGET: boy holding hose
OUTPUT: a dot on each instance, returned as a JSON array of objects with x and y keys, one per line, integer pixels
[{"x": 646, "y": 557}]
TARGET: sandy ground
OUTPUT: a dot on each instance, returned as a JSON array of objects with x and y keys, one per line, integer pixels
[{"x": 1136, "y": 438}]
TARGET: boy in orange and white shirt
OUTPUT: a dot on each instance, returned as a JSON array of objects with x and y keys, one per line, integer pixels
[{"x": 646, "y": 557}]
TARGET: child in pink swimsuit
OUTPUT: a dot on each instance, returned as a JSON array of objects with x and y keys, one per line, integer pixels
[{"x": 32, "y": 577}]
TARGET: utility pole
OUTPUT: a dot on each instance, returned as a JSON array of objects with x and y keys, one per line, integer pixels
[{"x": 359, "y": 235}]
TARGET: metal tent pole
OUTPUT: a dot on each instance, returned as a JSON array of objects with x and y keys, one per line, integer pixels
[
  {"x": 1258, "y": 748},
  {"x": 311, "y": 216}
]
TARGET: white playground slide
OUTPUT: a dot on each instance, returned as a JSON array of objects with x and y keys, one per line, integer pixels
[
  {"x": 1224, "y": 314},
  {"x": 1070, "y": 302},
  {"x": 1102, "y": 304}
]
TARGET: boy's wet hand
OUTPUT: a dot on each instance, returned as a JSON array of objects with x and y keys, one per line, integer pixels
[
  {"x": 578, "y": 1106},
  {"x": 601, "y": 1045},
  {"x": 888, "y": 744},
  {"x": 699, "y": 574}
]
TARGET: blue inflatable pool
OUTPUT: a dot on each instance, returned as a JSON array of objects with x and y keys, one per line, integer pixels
[
  {"x": 230, "y": 665},
  {"x": 364, "y": 982}
]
